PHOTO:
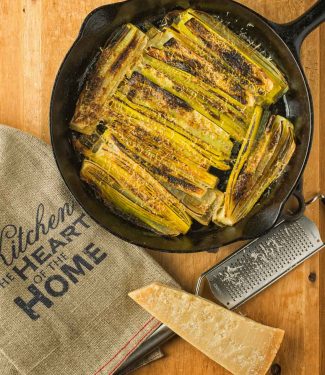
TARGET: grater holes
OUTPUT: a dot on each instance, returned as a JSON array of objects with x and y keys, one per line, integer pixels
[{"x": 262, "y": 261}]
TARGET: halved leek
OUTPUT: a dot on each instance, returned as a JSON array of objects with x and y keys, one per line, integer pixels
[
  {"x": 168, "y": 46},
  {"x": 127, "y": 187},
  {"x": 195, "y": 93},
  {"x": 264, "y": 161},
  {"x": 116, "y": 60},
  {"x": 242, "y": 156},
  {"x": 267, "y": 83},
  {"x": 146, "y": 97},
  {"x": 156, "y": 148}
]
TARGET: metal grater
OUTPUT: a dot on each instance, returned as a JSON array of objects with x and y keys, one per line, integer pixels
[{"x": 261, "y": 262}]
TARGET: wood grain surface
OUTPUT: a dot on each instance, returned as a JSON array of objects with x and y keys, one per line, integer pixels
[{"x": 34, "y": 37}]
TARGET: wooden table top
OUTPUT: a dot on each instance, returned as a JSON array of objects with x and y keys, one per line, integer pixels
[{"x": 34, "y": 37}]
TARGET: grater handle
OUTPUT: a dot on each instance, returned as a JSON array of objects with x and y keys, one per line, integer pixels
[{"x": 159, "y": 337}]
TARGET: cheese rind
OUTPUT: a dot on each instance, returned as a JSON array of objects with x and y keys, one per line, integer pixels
[{"x": 237, "y": 343}]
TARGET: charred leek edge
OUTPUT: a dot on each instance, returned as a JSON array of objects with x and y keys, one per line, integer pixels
[
  {"x": 220, "y": 102},
  {"x": 265, "y": 164},
  {"x": 156, "y": 103},
  {"x": 129, "y": 187},
  {"x": 99, "y": 152},
  {"x": 84, "y": 144},
  {"x": 242, "y": 210},
  {"x": 159, "y": 168},
  {"x": 144, "y": 92},
  {"x": 168, "y": 48},
  {"x": 139, "y": 137},
  {"x": 265, "y": 149},
  {"x": 250, "y": 53},
  {"x": 270, "y": 169},
  {"x": 115, "y": 61},
  {"x": 243, "y": 155},
  {"x": 231, "y": 81},
  {"x": 261, "y": 71},
  {"x": 195, "y": 99},
  {"x": 160, "y": 134},
  {"x": 217, "y": 155},
  {"x": 226, "y": 72}
]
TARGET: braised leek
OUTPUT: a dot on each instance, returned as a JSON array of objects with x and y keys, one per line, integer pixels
[
  {"x": 266, "y": 160},
  {"x": 116, "y": 60},
  {"x": 156, "y": 147},
  {"x": 204, "y": 135},
  {"x": 258, "y": 74},
  {"x": 166, "y": 110},
  {"x": 127, "y": 187}
]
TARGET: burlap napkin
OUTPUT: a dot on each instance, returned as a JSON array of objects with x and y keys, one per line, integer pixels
[{"x": 64, "y": 280}]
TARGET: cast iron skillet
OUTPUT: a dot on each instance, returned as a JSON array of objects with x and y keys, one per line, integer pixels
[{"x": 281, "y": 41}]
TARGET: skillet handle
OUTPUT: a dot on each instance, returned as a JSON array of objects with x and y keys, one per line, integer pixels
[{"x": 294, "y": 32}]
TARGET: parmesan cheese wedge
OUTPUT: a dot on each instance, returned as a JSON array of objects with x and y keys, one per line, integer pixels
[{"x": 239, "y": 344}]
